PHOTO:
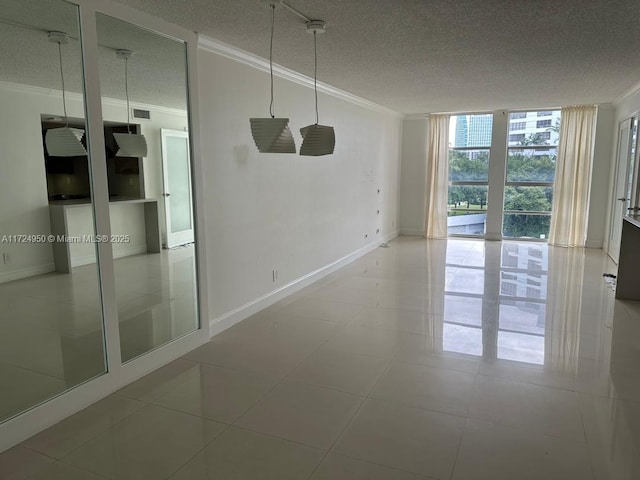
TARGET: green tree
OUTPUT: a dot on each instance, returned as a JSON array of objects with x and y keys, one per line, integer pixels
[{"x": 531, "y": 199}]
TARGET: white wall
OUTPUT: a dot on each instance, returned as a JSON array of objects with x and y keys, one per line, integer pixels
[
  {"x": 597, "y": 231},
  {"x": 24, "y": 205},
  {"x": 413, "y": 186},
  {"x": 287, "y": 212}
]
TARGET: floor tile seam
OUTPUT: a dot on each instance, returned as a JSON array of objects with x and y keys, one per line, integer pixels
[
  {"x": 75, "y": 467},
  {"x": 395, "y": 403},
  {"x": 115, "y": 424},
  {"x": 278, "y": 437},
  {"x": 358, "y": 354},
  {"x": 201, "y": 450},
  {"x": 573, "y": 388},
  {"x": 401, "y": 360},
  {"x": 523, "y": 382},
  {"x": 455, "y": 461},
  {"x": 421, "y": 475},
  {"x": 527, "y": 430}
]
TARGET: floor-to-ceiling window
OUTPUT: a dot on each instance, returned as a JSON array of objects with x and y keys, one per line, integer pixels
[
  {"x": 523, "y": 161},
  {"x": 531, "y": 165},
  {"x": 470, "y": 141}
]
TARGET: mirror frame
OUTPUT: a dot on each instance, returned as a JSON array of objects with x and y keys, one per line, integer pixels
[{"x": 119, "y": 374}]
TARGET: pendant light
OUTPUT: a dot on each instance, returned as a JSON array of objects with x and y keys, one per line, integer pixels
[
  {"x": 317, "y": 139},
  {"x": 272, "y": 135},
  {"x": 129, "y": 144},
  {"x": 63, "y": 141}
]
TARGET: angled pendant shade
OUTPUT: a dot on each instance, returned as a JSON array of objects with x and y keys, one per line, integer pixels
[
  {"x": 63, "y": 141},
  {"x": 129, "y": 144},
  {"x": 271, "y": 134},
  {"x": 317, "y": 140}
]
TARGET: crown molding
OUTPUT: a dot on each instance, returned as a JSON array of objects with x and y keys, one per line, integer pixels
[
  {"x": 627, "y": 94},
  {"x": 229, "y": 51},
  {"x": 416, "y": 116}
]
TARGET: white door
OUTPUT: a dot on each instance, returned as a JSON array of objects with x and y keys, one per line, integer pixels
[
  {"x": 176, "y": 177},
  {"x": 621, "y": 188}
]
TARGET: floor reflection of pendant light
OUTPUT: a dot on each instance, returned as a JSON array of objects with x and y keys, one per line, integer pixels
[
  {"x": 272, "y": 135},
  {"x": 63, "y": 141},
  {"x": 129, "y": 144},
  {"x": 317, "y": 139}
]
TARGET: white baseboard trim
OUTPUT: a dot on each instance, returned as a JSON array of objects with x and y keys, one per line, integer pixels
[
  {"x": 594, "y": 244},
  {"x": 27, "y": 272},
  {"x": 412, "y": 232},
  {"x": 229, "y": 319}
]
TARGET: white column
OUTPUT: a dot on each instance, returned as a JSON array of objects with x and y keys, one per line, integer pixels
[{"x": 497, "y": 172}]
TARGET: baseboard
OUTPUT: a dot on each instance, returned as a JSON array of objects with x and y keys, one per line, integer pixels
[
  {"x": 27, "y": 272},
  {"x": 229, "y": 319},
  {"x": 412, "y": 232},
  {"x": 594, "y": 244}
]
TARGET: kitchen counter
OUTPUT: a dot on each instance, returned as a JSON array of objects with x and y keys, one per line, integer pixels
[
  {"x": 628, "y": 280},
  {"x": 74, "y": 218}
]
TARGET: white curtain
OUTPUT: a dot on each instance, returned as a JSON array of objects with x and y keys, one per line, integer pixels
[
  {"x": 573, "y": 177},
  {"x": 437, "y": 177}
]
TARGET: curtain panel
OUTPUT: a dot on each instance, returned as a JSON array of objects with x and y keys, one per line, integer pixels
[
  {"x": 571, "y": 191},
  {"x": 437, "y": 176}
]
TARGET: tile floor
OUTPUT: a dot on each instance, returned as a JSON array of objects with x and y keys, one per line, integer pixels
[
  {"x": 52, "y": 324},
  {"x": 455, "y": 359}
]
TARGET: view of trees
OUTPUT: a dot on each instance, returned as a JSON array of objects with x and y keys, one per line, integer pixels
[{"x": 523, "y": 165}]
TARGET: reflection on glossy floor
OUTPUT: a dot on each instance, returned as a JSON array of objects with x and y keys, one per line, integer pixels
[
  {"x": 450, "y": 359},
  {"x": 51, "y": 324}
]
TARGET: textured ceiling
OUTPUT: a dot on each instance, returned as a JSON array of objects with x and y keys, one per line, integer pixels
[
  {"x": 430, "y": 56},
  {"x": 411, "y": 56}
]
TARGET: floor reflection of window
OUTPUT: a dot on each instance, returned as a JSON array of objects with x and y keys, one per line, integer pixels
[
  {"x": 522, "y": 303},
  {"x": 495, "y": 300}
]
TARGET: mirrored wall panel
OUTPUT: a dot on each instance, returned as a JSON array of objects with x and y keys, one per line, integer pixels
[
  {"x": 50, "y": 312},
  {"x": 144, "y": 99}
]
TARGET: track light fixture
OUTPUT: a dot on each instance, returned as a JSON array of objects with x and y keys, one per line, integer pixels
[
  {"x": 63, "y": 141},
  {"x": 129, "y": 144},
  {"x": 272, "y": 135}
]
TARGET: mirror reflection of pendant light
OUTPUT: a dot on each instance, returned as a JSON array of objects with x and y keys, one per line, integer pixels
[
  {"x": 317, "y": 139},
  {"x": 272, "y": 135},
  {"x": 63, "y": 141},
  {"x": 129, "y": 144}
]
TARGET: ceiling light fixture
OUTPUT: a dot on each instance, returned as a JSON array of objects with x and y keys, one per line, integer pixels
[
  {"x": 63, "y": 141},
  {"x": 272, "y": 135},
  {"x": 129, "y": 144},
  {"x": 317, "y": 139}
]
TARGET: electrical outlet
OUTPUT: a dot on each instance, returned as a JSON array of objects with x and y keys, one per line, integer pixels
[
  {"x": 6, "y": 259},
  {"x": 274, "y": 275}
]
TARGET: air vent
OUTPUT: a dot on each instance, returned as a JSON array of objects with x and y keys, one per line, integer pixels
[{"x": 137, "y": 113}]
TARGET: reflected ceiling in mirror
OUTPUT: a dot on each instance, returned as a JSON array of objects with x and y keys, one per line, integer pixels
[{"x": 157, "y": 78}]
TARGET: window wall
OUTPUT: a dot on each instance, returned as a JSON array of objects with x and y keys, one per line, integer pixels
[{"x": 521, "y": 154}]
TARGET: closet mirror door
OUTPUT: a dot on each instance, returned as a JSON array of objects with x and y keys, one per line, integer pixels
[
  {"x": 144, "y": 92},
  {"x": 50, "y": 308}
]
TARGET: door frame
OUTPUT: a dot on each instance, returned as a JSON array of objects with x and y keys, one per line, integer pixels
[{"x": 615, "y": 225}]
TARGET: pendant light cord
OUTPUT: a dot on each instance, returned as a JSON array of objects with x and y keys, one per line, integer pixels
[
  {"x": 273, "y": 20},
  {"x": 64, "y": 99},
  {"x": 315, "y": 71},
  {"x": 126, "y": 91}
]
